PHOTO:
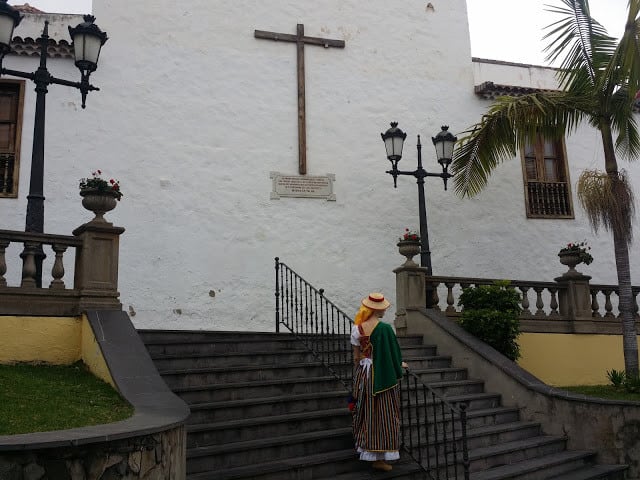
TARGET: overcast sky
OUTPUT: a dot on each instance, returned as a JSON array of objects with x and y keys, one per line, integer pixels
[
  {"x": 509, "y": 30},
  {"x": 513, "y": 29}
]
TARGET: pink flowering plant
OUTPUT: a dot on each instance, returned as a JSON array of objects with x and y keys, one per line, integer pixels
[
  {"x": 409, "y": 236},
  {"x": 96, "y": 182},
  {"x": 581, "y": 249}
]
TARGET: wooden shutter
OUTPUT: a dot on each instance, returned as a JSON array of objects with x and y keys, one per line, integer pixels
[
  {"x": 11, "y": 103},
  {"x": 547, "y": 192}
]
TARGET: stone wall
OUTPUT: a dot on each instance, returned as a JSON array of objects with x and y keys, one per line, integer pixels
[{"x": 148, "y": 457}]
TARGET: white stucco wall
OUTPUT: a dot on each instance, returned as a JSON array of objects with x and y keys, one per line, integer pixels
[{"x": 194, "y": 112}]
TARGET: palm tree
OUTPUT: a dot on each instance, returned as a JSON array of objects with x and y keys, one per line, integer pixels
[{"x": 599, "y": 77}]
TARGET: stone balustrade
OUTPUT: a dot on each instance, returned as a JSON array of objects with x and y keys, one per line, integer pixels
[
  {"x": 95, "y": 271},
  {"x": 569, "y": 304},
  {"x": 32, "y": 243}
]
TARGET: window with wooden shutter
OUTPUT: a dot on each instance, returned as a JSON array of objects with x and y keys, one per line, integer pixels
[
  {"x": 546, "y": 178},
  {"x": 11, "y": 104}
]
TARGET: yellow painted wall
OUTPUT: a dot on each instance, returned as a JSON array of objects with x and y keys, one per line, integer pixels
[
  {"x": 55, "y": 340},
  {"x": 570, "y": 359},
  {"x": 40, "y": 339},
  {"x": 92, "y": 355}
]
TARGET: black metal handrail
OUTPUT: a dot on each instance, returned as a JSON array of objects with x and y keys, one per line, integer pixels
[
  {"x": 433, "y": 430},
  {"x": 320, "y": 324}
]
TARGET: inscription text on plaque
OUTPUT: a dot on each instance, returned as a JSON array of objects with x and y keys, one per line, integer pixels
[{"x": 306, "y": 186}]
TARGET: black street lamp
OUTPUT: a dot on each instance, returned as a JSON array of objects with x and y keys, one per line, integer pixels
[
  {"x": 87, "y": 41},
  {"x": 444, "y": 142}
]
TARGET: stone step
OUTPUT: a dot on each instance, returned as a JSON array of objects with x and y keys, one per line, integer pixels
[
  {"x": 558, "y": 466},
  {"x": 484, "y": 458},
  {"x": 492, "y": 416},
  {"x": 261, "y": 407},
  {"x": 594, "y": 472},
  {"x": 480, "y": 437},
  {"x": 474, "y": 401},
  {"x": 476, "y": 420},
  {"x": 264, "y": 450},
  {"x": 437, "y": 374},
  {"x": 244, "y": 374},
  {"x": 445, "y": 388},
  {"x": 416, "y": 351},
  {"x": 499, "y": 457},
  {"x": 423, "y": 362},
  {"x": 256, "y": 389},
  {"x": 231, "y": 359},
  {"x": 243, "y": 430},
  {"x": 403, "y": 469},
  {"x": 212, "y": 345},
  {"x": 321, "y": 465},
  {"x": 411, "y": 340},
  {"x": 501, "y": 433},
  {"x": 151, "y": 336}
]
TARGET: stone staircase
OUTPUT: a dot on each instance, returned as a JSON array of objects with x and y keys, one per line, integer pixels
[{"x": 263, "y": 408}]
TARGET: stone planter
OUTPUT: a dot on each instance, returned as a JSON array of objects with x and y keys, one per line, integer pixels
[
  {"x": 570, "y": 259},
  {"x": 99, "y": 202},
  {"x": 409, "y": 248}
]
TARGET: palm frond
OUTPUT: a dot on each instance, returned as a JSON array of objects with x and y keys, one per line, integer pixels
[
  {"x": 624, "y": 68},
  {"x": 608, "y": 201},
  {"x": 480, "y": 153},
  {"x": 580, "y": 41},
  {"x": 510, "y": 123},
  {"x": 624, "y": 124}
]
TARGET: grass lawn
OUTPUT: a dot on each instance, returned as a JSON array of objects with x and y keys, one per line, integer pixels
[
  {"x": 604, "y": 391},
  {"x": 39, "y": 398}
]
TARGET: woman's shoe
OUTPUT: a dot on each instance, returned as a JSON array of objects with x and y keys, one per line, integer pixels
[{"x": 381, "y": 465}]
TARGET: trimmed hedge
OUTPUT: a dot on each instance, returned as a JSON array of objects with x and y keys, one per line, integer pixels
[{"x": 491, "y": 313}]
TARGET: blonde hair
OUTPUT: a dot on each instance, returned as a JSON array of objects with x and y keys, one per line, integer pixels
[{"x": 363, "y": 315}]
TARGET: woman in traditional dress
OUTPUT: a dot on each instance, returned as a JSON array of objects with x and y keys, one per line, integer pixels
[{"x": 378, "y": 367}]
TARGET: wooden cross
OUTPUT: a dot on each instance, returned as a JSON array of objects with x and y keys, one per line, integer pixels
[{"x": 300, "y": 39}]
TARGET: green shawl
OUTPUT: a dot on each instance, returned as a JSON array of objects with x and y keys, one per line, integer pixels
[{"x": 387, "y": 358}]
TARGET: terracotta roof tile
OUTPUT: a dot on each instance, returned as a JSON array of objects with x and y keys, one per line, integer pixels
[
  {"x": 29, "y": 47},
  {"x": 490, "y": 90},
  {"x": 26, "y": 8}
]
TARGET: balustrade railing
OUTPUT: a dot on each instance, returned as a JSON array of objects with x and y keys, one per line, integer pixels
[
  {"x": 433, "y": 430},
  {"x": 32, "y": 243},
  {"x": 94, "y": 270},
  {"x": 540, "y": 300},
  {"x": 544, "y": 294},
  {"x": 606, "y": 297}
]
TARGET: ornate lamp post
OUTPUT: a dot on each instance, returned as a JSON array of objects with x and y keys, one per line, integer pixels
[
  {"x": 444, "y": 142},
  {"x": 87, "y": 42}
]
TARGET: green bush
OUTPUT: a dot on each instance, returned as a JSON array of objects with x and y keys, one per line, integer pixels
[
  {"x": 616, "y": 377},
  {"x": 491, "y": 313},
  {"x": 620, "y": 380}
]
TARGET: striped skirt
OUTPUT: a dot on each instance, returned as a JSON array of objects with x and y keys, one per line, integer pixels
[{"x": 376, "y": 420}]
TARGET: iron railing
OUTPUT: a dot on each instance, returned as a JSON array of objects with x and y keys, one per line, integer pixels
[
  {"x": 320, "y": 324},
  {"x": 549, "y": 199},
  {"x": 433, "y": 430},
  {"x": 7, "y": 169}
]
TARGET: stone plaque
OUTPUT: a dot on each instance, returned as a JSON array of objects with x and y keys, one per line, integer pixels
[{"x": 305, "y": 186}]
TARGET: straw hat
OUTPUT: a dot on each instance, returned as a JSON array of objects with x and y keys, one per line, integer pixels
[{"x": 376, "y": 301}]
